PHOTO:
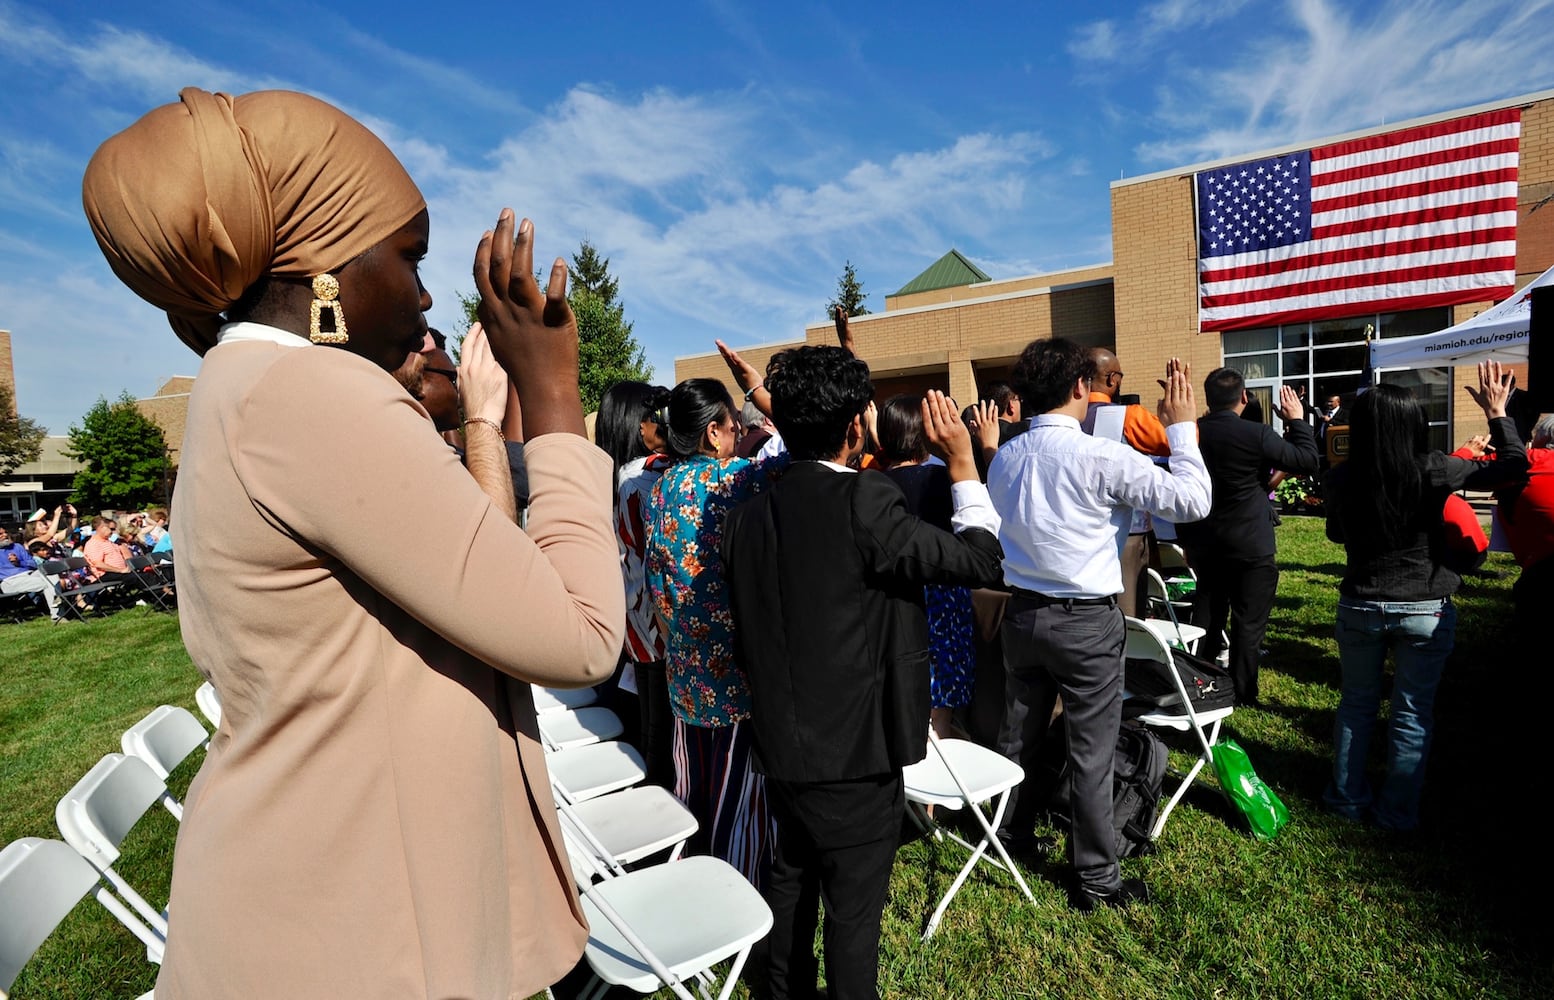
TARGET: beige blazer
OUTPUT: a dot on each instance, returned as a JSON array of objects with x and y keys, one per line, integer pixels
[{"x": 373, "y": 818}]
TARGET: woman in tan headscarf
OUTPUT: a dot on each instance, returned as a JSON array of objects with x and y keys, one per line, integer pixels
[{"x": 373, "y": 817}]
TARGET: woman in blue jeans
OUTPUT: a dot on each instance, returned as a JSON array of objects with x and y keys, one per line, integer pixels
[{"x": 1384, "y": 505}]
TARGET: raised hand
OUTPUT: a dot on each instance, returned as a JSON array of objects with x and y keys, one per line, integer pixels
[
  {"x": 1477, "y": 445},
  {"x": 743, "y": 371},
  {"x": 482, "y": 382},
  {"x": 984, "y": 425},
  {"x": 1494, "y": 388},
  {"x": 533, "y": 336},
  {"x": 947, "y": 436},
  {"x": 1289, "y": 405},
  {"x": 844, "y": 330},
  {"x": 1178, "y": 406}
]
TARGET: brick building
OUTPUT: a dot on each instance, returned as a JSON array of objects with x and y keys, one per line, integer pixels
[{"x": 952, "y": 328}]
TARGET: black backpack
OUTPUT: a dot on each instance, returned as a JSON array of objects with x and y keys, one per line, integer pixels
[
  {"x": 1149, "y": 686},
  {"x": 1137, "y": 784}
]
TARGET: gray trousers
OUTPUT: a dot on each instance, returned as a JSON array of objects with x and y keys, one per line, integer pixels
[
  {"x": 32, "y": 582},
  {"x": 1076, "y": 651}
]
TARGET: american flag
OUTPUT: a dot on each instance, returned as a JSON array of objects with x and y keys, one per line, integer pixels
[{"x": 1421, "y": 217}]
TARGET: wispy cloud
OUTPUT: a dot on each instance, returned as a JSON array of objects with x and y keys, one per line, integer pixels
[
  {"x": 1339, "y": 71},
  {"x": 1139, "y": 35},
  {"x": 702, "y": 222},
  {"x": 136, "y": 67},
  {"x": 1096, "y": 41}
]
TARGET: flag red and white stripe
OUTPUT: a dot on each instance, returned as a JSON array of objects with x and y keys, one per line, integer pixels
[{"x": 1421, "y": 217}]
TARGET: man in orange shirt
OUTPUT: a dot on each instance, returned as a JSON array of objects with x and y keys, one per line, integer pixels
[
  {"x": 1144, "y": 432},
  {"x": 105, "y": 557}
]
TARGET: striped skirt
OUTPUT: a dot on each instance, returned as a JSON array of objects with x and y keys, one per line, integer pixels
[{"x": 714, "y": 779}]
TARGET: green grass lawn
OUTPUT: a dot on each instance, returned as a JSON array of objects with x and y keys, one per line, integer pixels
[{"x": 1329, "y": 909}]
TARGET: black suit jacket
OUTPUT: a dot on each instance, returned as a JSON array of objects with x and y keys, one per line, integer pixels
[
  {"x": 1239, "y": 454},
  {"x": 825, "y": 573}
]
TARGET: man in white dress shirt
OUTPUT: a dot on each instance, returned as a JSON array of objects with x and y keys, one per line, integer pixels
[{"x": 1065, "y": 500}]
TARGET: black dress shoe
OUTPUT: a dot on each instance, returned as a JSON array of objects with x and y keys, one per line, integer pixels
[
  {"x": 1031, "y": 851},
  {"x": 1132, "y": 890}
]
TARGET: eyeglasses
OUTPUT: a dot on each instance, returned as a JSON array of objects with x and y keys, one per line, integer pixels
[{"x": 447, "y": 373}]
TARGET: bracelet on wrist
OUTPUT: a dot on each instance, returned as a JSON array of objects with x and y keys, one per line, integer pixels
[
  {"x": 489, "y": 423},
  {"x": 751, "y": 391}
]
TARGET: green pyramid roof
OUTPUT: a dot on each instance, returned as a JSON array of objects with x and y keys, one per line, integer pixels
[{"x": 950, "y": 271}]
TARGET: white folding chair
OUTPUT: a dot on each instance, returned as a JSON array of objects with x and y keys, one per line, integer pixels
[
  {"x": 99, "y": 812},
  {"x": 587, "y": 772},
  {"x": 210, "y": 704},
  {"x": 1174, "y": 560},
  {"x": 1178, "y": 714},
  {"x": 959, "y": 774},
  {"x": 566, "y": 728},
  {"x": 663, "y": 925},
  {"x": 41, "y": 881},
  {"x": 632, "y": 824},
  {"x": 164, "y": 739},
  {"x": 1169, "y": 628},
  {"x": 558, "y": 699}
]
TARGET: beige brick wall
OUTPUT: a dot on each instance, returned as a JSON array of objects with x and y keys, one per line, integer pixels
[
  {"x": 983, "y": 289},
  {"x": 948, "y": 346},
  {"x": 1155, "y": 261},
  {"x": 7, "y": 370}
]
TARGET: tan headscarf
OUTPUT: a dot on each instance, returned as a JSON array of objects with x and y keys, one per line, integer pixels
[{"x": 198, "y": 200}]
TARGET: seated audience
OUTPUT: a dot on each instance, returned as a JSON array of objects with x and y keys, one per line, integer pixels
[
  {"x": 107, "y": 559},
  {"x": 20, "y": 574}
]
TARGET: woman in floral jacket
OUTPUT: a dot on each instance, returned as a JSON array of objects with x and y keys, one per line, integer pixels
[{"x": 707, "y": 688}]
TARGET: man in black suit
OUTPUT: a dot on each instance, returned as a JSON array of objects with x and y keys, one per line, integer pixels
[
  {"x": 825, "y": 574},
  {"x": 1232, "y": 550}
]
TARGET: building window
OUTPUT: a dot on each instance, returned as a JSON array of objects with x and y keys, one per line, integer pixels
[
  {"x": 15, "y": 508},
  {"x": 1328, "y": 358}
]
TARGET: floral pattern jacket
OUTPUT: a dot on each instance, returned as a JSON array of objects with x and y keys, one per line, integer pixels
[{"x": 684, "y": 526}]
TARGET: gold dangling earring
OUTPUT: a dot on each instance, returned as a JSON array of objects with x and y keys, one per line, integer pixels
[{"x": 326, "y": 292}]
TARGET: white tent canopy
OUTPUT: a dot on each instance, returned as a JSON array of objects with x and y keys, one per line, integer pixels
[{"x": 1499, "y": 333}]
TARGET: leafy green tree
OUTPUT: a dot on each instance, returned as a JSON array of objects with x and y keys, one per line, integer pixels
[
  {"x": 125, "y": 455},
  {"x": 849, "y": 293},
  {"x": 21, "y": 439}
]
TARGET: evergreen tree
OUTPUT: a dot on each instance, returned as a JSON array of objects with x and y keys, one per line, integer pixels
[
  {"x": 849, "y": 293},
  {"x": 591, "y": 274},
  {"x": 125, "y": 455},
  {"x": 607, "y": 352},
  {"x": 21, "y": 439}
]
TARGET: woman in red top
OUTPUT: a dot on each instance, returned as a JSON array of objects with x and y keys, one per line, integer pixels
[{"x": 1526, "y": 513}]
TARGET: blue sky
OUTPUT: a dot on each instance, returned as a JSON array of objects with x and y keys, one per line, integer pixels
[{"x": 726, "y": 157}]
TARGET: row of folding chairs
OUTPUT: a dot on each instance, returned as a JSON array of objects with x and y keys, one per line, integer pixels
[
  {"x": 668, "y": 925},
  {"x": 42, "y": 880},
  {"x": 152, "y": 581}
]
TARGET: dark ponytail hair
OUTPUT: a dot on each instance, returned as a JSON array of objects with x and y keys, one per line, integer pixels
[
  {"x": 1387, "y": 434},
  {"x": 618, "y": 428},
  {"x": 693, "y": 405}
]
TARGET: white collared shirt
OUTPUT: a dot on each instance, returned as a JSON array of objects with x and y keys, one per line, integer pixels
[
  {"x": 231, "y": 333},
  {"x": 1066, "y": 500}
]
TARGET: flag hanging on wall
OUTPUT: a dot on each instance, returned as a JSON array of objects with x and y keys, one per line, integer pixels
[{"x": 1421, "y": 217}]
